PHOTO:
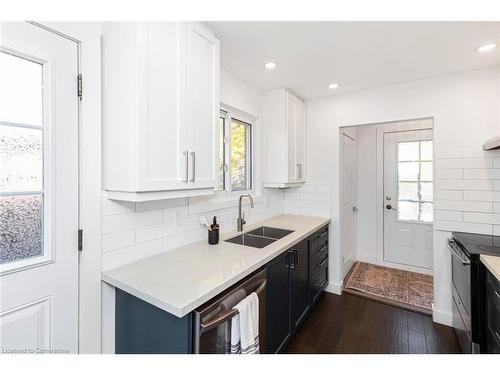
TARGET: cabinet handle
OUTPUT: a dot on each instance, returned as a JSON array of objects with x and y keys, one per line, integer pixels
[
  {"x": 300, "y": 171},
  {"x": 293, "y": 266},
  {"x": 297, "y": 169},
  {"x": 193, "y": 177},
  {"x": 497, "y": 294},
  {"x": 186, "y": 156}
]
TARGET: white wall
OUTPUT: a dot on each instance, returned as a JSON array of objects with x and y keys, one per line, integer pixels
[{"x": 465, "y": 108}]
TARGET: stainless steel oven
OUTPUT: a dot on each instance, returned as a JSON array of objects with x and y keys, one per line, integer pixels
[
  {"x": 212, "y": 321},
  {"x": 461, "y": 291}
]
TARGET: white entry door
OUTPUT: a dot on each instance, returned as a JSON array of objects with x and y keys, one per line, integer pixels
[
  {"x": 38, "y": 191},
  {"x": 408, "y": 200},
  {"x": 348, "y": 203}
]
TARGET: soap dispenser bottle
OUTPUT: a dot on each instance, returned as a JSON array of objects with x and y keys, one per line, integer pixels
[{"x": 213, "y": 233}]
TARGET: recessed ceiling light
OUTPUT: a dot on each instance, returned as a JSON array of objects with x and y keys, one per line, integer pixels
[
  {"x": 486, "y": 47},
  {"x": 270, "y": 65},
  {"x": 333, "y": 85}
]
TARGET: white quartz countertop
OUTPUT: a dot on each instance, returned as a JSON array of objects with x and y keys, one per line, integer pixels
[
  {"x": 182, "y": 279},
  {"x": 492, "y": 263}
]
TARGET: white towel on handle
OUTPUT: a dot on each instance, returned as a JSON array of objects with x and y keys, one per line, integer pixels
[{"x": 245, "y": 326}]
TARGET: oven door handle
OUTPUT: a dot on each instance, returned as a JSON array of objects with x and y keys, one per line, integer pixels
[
  {"x": 221, "y": 319},
  {"x": 465, "y": 262}
]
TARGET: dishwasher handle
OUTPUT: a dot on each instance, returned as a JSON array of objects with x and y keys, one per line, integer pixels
[{"x": 221, "y": 319}]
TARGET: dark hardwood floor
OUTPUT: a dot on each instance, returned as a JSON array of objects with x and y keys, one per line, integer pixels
[{"x": 352, "y": 324}]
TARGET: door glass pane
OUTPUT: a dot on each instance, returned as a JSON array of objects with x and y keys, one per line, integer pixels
[
  {"x": 21, "y": 93},
  {"x": 426, "y": 212},
  {"x": 408, "y": 151},
  {"x": 20, "y": 227},
  {"x": 408, "y": 171},
  {"x": 21, "y": 159},
  {"x": 408, "y": 210},
  {"x": 426, "y": 150},
  {"x": 238, "y": 155},
  {"x": 408, "y": 191},
  {"x": 415, "y": 181},
  {"x": 426, "y": 171},
  {"x": 426, "y": 191}
]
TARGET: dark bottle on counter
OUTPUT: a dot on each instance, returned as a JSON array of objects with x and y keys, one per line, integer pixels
[{"x": 213, "y": 233}]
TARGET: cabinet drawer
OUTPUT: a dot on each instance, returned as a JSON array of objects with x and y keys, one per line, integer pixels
[
  {"x": 319, "y": 279},
  {"x": 319, "y": 252},
  {"x": 319, "y": 239},
  {"x": 318, "y": 261}
]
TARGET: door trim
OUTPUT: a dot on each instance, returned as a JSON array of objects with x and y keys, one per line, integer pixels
[{"x": 87, "y": 35}]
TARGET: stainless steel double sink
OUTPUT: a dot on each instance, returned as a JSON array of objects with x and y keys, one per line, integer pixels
[{"x": 260, "y": 237}]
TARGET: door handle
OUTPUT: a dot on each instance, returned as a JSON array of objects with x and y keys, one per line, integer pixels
[
  {"x": 193, "y": 177},
  {"x": 389, "y": 207},
  {"x": 186, "y": 156}
]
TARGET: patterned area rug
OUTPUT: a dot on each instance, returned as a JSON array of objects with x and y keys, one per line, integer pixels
[{"x": 390, "y": 284}]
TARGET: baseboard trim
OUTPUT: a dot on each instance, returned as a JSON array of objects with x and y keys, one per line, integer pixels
[
  {"x": 442, "y": 317},
  {"x": 335, "y": 288}
]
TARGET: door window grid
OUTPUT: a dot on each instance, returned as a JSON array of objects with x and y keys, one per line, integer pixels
[
  {"x": 415, "y": 181},
  {"x": 235, "y": 153},
  {"x": 21, "y": 159}
]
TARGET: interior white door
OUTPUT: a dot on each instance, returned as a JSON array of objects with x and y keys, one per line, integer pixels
[
  {"x": 348, "y": 225},
  {"x": 408, "y": 197},
  {"x": 38, "y": 190},
  {"x": 203, "y": 106}
]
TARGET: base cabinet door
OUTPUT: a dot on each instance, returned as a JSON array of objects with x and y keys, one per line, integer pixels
[
  {"x": 299, "y": 283},
  {"x": 278, "y": 303}
]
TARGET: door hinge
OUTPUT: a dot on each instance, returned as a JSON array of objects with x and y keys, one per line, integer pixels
[
  {"x": 80, "y": 239},
  {"x": 79, "y": 86}
]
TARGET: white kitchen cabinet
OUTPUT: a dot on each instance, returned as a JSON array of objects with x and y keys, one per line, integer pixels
[
  {"x": 284, "y": 125},
  {"x": 161, "y": 109}
]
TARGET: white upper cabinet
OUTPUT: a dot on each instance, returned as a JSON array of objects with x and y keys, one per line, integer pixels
[
  {"x": 160, "y": 112},
  {"x": 284, "y": 126}
]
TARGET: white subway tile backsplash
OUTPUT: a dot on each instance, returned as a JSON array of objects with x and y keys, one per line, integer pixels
[
  {"x": 496, "y": 208},
  {"x": 448, "y": 215},
  {"x": 482, "y": 174},
  {"x": 487, "y": 196},
  {"x": 117, "y": 258},
  {"x": 496, "y": 230},
  {"x": 153, "y": 232},
  {"x": 448, "y": 174},
  {"x": 448, "y": 194},
  {"x": 116, "y": 223},
  {"x": 496, "y": 163},
  {"x": 496, "y": 185},
  {"x": 464, "y": 184},
  {"x": 454, "y": 205},
  {"x": 464, "y": 163},
  {"x": 111, "y": 207},
  {"x": 449, "y": 154},
  {"x": 450, "y": 226},
  {"x": 117, "y": 240},
  {"x": 475, "y": 217}
]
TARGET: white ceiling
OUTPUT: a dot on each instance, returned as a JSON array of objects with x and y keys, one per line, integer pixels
[{"x": 357, "y": 55}]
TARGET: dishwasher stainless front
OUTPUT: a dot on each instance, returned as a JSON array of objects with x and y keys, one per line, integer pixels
[{"x": 212, "y": 321}]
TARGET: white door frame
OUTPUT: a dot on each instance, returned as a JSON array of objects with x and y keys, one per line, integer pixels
[
  {"x": 404, "y": 125},
  {"x": 87, "y": 35}
]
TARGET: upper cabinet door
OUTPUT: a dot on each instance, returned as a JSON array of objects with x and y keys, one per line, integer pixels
[
  {"x": 161, "y": 60},
  {"x": 202, "y": 106},
  {"x": 300, "y": 140},
  {"x": 291, "y": 118}
]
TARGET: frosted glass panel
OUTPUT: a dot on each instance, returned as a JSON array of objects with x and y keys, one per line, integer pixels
[
  {"x": 408, "y": 210},
  {"x": 408, "y": 191},
  {"x": 426, "y": 171},
  {"x": 408, "y": 151},
  {"x": 20, "y": 227},
  {"x": 21, "y": 159},
  {"x": 426, "y": 191},
  {"x": 426, "y": 212},
  {"x": 21, "y": 90},
  {"x": 408, "y": 171},
  {"x": 426, "y": 150}
]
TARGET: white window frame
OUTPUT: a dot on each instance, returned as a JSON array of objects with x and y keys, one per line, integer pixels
[
  {"x": 48, "y": 253},
  {"x": 229, "y": 113}
]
